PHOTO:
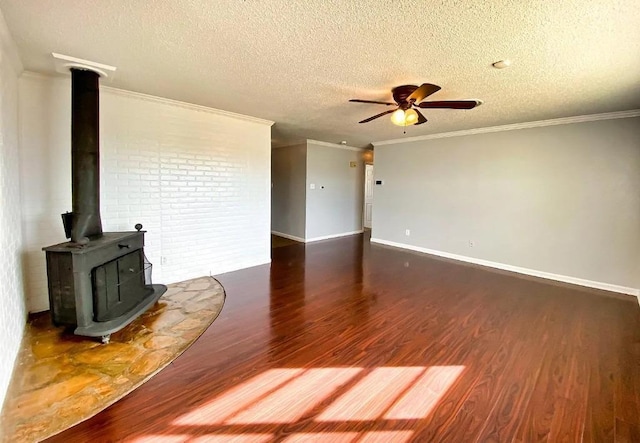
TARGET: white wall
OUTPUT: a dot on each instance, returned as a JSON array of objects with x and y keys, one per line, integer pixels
[
  {"x": 196, "y": 178},
  {"x": 335, "y": 206},
  {"x": 561, "y": 199},
  {"x": 288, "y": 194},
  {"x": 12, "y": 306}
]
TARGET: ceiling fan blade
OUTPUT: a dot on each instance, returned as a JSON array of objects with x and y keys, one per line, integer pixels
[
  {"x": 378, "y": 115},
  {"x": 355, "y": 100},
  {"x": 421, "y": 118},
  {"x": 451, "y": 104},
  {"x": 424, "y": 91}
]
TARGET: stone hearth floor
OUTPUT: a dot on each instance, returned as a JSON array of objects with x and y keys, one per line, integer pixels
[{"x": 61, "y": 379}]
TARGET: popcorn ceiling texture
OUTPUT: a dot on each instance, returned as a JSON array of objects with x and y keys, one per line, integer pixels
[
  {"x": 298, "y": 63},
  {"x": 198, "y": 181},
  {"x": 12, "y": 306}
]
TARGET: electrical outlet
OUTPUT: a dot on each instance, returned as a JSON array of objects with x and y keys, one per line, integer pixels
[
  {"x": 407, "y": 232},
  {"x": 163, "y": 260},
  {"x": 471, "y": 244}
]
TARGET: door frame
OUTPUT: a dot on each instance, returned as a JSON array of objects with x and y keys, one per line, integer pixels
[{"x": 364, "y": 199}]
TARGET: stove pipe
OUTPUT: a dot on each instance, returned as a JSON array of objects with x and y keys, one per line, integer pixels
[{"x": 85, "y": 156}]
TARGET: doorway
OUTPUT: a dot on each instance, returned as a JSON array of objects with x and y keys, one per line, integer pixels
[{"x": 368, "y": 195}]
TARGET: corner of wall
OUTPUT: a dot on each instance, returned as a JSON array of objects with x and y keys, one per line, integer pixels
[
  {"x": 12, "y": 308},
  {"x": 305, "y": 192},
  {"x": 8, "y": 46}
]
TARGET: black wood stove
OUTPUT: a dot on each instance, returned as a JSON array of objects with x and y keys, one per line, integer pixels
[{"x": 99, "y": 281}]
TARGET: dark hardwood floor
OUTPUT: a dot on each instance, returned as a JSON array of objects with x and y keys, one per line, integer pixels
[{"x": 346, "y": 341}]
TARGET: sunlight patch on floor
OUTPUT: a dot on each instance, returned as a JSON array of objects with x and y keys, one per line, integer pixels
[
  {"x": 386, "y": 437},
  {"x": 218, "y": 438},
  {"x": 222, "y": 438},
  {"x": 349, "y": 437},
  {"x": 289, "y": 403},
  {"x": 160, "y": 439},
  {"x": 302, "y": 437},
  {"x": 239, "y": 397},
  {"x": 425, "y": 393},
  {"x": 372, "y": 395},
  {"x": 322, "y": 437},
  {"x": 344, "y": 397}
]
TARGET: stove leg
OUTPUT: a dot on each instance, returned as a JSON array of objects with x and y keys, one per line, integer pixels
[{"x": 106, "y": 339}]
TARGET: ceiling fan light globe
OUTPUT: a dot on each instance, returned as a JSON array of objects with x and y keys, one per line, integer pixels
[
  {"x": 410, "y": 117},
  {"x": 397, "y": 118}
]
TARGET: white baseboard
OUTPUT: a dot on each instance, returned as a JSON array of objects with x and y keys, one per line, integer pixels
[
  {"x": 290, "y": 237},
  {"x": 310, "y": 240},
  {"x": 327, "y": 237},
  {"x": 548, "y": 275}
]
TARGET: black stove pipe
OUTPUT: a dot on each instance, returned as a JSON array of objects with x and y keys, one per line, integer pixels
[{"x": 85, "y": 156}]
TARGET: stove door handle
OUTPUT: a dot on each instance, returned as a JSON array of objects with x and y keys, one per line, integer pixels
[{"x": 123, "y": 245}]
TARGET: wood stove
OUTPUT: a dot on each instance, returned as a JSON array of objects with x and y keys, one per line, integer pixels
[
  {"x": 99, "y": 281},
  {"x": 100, "y": 287}
]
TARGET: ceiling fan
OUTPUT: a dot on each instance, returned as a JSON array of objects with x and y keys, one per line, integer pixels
[{"x": 409, "y": 97}]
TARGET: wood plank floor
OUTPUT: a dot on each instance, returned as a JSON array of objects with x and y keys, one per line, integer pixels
[{"x": 346, "y": 341}]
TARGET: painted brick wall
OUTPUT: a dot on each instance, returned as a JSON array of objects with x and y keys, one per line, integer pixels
[
  {"x": 12, "y": 306},
  {"x": 197, "y": 179}
]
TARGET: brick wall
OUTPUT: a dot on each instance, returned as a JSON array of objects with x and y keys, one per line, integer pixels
[
  {"x": 12, "y": 306},
  {"x": 196, "y": 178}
]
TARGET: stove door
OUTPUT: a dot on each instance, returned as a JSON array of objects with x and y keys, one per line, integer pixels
[{"x": 118, "y": 286}]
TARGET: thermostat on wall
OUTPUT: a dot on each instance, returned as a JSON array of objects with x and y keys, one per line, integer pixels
[{"x": 379, "y": 182}]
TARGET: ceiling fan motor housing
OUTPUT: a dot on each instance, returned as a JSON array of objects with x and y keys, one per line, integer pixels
[{"x": 400, "y": 94}]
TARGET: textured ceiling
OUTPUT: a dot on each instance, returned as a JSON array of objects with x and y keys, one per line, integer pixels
[{"x": 299, "y": 62}]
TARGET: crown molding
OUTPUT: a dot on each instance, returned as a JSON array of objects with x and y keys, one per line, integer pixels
[
  {"x": 335, "y": 145},
  {"x": 9, "y": 48},
  {"x": 34, "y": 74},
  {"x": 515, "y": 126},
  {"x": 290, "y": 145},
  {"x": 159, "y": 100},
  {"x": 189, "y": 106}
]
